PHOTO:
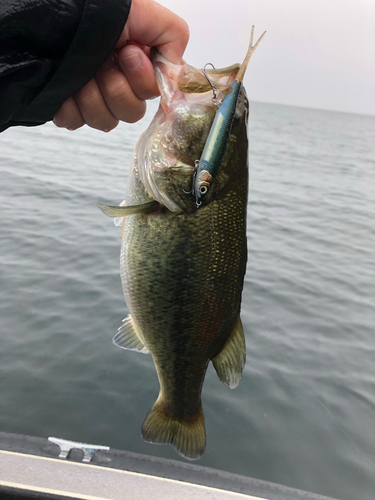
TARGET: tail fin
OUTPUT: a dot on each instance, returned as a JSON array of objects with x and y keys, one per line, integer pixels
[{"x": 187, "y": 435}]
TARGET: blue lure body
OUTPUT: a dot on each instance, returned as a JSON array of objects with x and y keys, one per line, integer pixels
[
  {"x": 209, "y": 164},
  {"x": 216, "y": 144}
]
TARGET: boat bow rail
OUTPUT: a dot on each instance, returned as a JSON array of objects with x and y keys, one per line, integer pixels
[{"x": 56, "y": 469}]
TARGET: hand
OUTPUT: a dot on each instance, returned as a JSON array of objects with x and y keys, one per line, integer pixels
[{"x": 119, "y": 89}]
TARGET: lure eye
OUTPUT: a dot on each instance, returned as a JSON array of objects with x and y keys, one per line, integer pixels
[{"x": 203, "y": 189}]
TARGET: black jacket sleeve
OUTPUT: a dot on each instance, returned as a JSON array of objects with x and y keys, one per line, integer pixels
[{"x": 49, "y": 49}]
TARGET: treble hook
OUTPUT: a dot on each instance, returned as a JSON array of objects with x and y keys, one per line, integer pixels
[{"x": 214, "y": 89}]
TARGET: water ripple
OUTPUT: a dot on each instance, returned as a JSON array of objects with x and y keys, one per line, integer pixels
[{"x": 303, "y": 413}]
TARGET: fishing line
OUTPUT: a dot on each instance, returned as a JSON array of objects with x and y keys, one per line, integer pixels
[{"x": 343, "y": 431}]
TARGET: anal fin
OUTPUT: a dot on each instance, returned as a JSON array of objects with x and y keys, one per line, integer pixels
[
  {"x": 230, "y": 362},
  {"x": 128, "y": 337}
]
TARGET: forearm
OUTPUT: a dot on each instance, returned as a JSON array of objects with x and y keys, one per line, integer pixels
[{"x": 49, "y": 49}]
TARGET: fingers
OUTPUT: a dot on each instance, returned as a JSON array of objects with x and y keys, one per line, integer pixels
[
  {"x": 119, "y": 97},
  {"x": 93, "y": 107},
  {"x": 125, "y": 88},
  {"x": 69, "y": 116},
  {"x": 118, "y": 92},
  {"x": 138, "y": 71},
  {"x": 153, "y": 25},
  {"x": 86, "y": 107}
]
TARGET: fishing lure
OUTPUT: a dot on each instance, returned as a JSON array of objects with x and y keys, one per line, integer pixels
[{"x": 207, "y": 167}]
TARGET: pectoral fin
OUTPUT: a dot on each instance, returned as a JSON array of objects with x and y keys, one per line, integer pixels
[
  {"x": 121, "y": 211},
  {"x": 231, "y": 360},
  {"x": 119, "y": 221},
  {"x": 128, "y": 336}
]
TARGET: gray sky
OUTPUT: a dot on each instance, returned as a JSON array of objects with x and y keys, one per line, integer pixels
[{"x": 316, "y": 53}]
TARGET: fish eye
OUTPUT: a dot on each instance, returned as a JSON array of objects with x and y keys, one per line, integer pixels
[{"x": 203, "y": 189}]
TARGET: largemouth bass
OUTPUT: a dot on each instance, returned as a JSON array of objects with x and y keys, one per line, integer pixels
[{"x": 183, "y": 267}]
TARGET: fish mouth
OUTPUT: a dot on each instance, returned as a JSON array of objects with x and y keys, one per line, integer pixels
[
  {"x": 190, "y": 80},
  {"x": 167, "y": 151}
]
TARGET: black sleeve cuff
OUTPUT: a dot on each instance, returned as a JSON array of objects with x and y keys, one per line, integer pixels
[{"x": 32, "y": 91}]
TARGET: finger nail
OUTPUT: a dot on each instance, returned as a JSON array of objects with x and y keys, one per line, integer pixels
[{"x": 132, "y": 61}]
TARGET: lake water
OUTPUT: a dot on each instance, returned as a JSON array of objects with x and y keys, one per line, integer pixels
[{"x": 304, "y": 413}]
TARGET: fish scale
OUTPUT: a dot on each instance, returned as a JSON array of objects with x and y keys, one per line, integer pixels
[
  {"x": 182, "y": 276},
  {"x": 174, "y": 299},
  {"x": 183, "y": 268}
]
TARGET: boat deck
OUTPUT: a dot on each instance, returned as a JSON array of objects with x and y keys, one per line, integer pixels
[{"x": 30, "y": 468}]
